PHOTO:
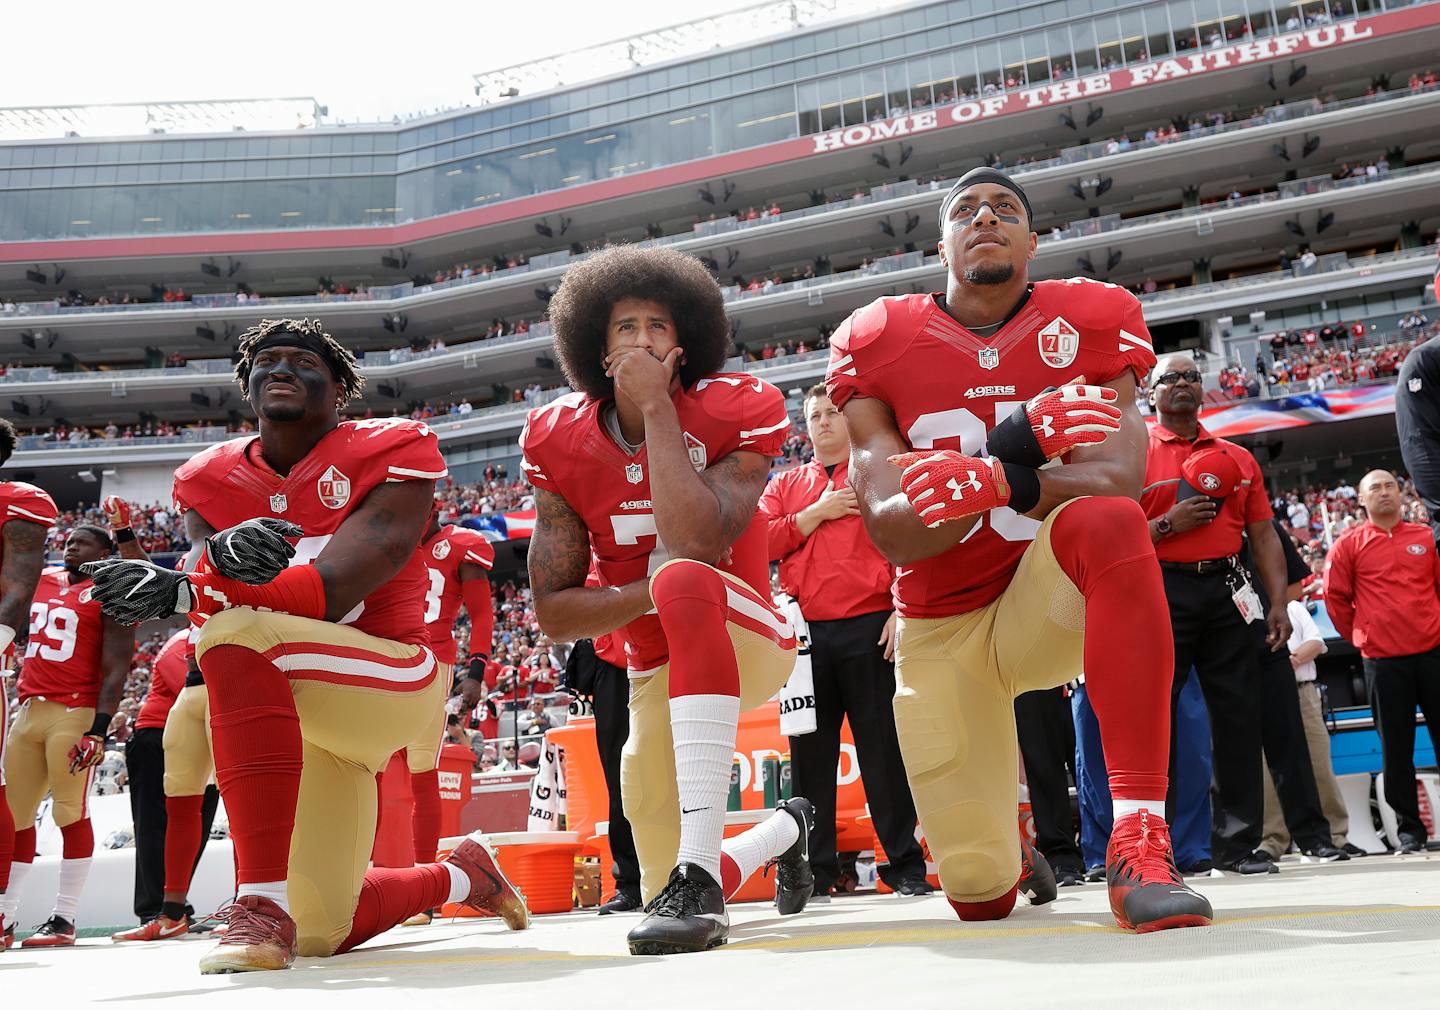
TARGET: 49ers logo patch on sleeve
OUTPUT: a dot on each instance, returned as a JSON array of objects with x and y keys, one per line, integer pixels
[
  {"x": 441, "y": 551},
  {"x": 1059, "y": 343},
  {"x": 333, "y": 488}
]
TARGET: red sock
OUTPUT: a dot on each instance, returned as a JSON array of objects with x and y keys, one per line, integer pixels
[
  {"x": 25, "y": 845},
  {"x": 1104, "y": 547},
  {"x": 390, "y": 896},
  {"x": 425, "y": 828},
  {"x": 258, "y": 756},
  {"x": 7, "y": 828},
  {"x": 730, "y": 879},
  {"x": 693, "y": 607},
  {"x": 986, "y": 911},
  {"x": 77, "y": 840},
  {"x": 182, "y": 840}
]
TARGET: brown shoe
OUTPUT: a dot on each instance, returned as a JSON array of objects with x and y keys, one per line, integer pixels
[
  {"x": 260, "y": 937},
  {"x": 489, "y": 890},
  {"x": 420, "y": 919}
]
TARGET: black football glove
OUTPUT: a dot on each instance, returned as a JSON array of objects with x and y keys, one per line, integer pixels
[
  {"x": 253, "y": 552},
  {"x": 135, "y": 591}
]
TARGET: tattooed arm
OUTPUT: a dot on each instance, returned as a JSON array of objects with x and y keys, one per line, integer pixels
[
  {"x": 20, "y": 574},
  {"x": 559, "y": 561},
  {"x": 373, "y": 543}
]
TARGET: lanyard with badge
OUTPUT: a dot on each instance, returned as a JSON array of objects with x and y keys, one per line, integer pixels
[{"x": 1242, "y": 593}]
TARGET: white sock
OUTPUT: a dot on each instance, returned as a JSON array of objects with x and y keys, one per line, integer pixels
[
  {"x": 10, "y": 900},
  {"x": 1124, "y": 808},
  {"x": 73, "y": 873},
  {"x": 762, "y": 843},
  {"x": 703, "y": 727},
  {"x": 459, "y": 884},
  {"x": 276, "y": 890}
]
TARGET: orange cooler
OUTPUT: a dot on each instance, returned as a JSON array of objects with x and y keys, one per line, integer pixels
[{"x": 540, "y": 863}]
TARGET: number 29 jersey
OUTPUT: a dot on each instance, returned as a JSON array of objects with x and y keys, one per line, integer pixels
[
  {"x": 947, "y": 387},
  {"x": 568, "y": 451},
  {"x": 230, "y": 483},
  {"x": 62, "y": 656}
]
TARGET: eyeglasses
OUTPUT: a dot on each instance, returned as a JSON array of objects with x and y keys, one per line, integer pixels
[{"x": 1190, "y": 375}]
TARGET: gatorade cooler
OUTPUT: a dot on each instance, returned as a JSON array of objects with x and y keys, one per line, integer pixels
[{"x": 540, "y": 863}]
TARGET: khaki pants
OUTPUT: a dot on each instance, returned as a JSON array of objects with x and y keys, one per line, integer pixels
[
  {"x": 1332, "y": 804},
  {"x": 422, "y": 754},
  {"x": 647, "y": 764},
  {"x": 37, "y": 761},
  {"x": 360, "y": 699},
  {"x": 189, "y": 760},
  {"x": 956, "y": 681}
]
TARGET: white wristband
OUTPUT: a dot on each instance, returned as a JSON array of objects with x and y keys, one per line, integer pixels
[{"x": 7, "y": 635}]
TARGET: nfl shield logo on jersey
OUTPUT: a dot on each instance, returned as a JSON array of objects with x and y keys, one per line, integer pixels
[
  {"x": 333, "y": 487},
  {"x": 989, "y": 358},
  {"x": 634, "y": 473},
  {"x": 699, "y": 457},
  {"x": 1414, "y": 385},
  {"x": 278, "y": 503},
  {"x": 441, "y": 551},
  {"x": 1059, "y": 343}
]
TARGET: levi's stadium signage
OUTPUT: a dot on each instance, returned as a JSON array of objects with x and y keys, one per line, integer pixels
[{"x": 1108, "y": 82}]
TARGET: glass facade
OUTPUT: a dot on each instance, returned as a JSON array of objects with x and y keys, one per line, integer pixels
[{"x": 740, "y": 98}]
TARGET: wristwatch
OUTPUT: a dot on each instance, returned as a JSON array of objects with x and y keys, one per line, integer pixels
[{"x": 1163, "y": 527}]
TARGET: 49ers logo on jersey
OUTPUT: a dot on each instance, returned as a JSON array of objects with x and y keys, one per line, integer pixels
[
  {"x": 333, "y": 487},
  {"x": 699, "y": 456},
  {"x": 1059, "y": 343},
  {"x": 441, "y": 551}
]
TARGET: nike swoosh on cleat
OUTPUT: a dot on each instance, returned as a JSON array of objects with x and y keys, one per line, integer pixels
[{"x": 174, "y": 930}]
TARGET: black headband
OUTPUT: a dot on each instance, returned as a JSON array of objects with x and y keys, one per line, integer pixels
[
  {"x": 975, "y": 177},
  {"x": 304, "y": 341}
]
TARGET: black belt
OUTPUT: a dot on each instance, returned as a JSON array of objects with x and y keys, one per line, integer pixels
[{"x": 1201, "y": 567}]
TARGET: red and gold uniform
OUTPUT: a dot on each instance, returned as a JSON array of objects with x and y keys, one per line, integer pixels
[
  {"x": 362, "y": 687},
  {"x": 997, "y": 614},
  {"x": 567, "y": 451},
  {"x": 59, "y": 684}
]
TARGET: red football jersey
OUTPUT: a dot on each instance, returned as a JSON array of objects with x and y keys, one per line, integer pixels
[
  {"x": 443, "y": 554},
  {"x": 230, "y": 482},
  {"x": 167, "y": 677},
  {"x": 62, "y": 656},
  {"x": 947, "y": 387},
  {"x": 27, "y": 502},
  {"x": 568, "y": 451}
]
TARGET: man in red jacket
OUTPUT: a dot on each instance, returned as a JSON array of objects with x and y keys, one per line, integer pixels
[
  {"x": 829, "y": 565},
  {"x": 1382, "y": 588}
]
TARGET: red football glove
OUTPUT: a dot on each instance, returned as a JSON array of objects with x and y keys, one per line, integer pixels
[
  {"x": 942, "y": 485},
  {"x": 87, "y": 752},
  {"x": 117, "y": 512},
  {"x": 1053, "y": 423}
]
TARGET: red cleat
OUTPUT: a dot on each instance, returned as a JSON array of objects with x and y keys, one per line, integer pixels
[
  {"x": 53, "y": 932},
  {"x": 1147, "y": 892},
  {"x": 260, "y": 936},
  {"x": 490, "y": 891},
  {"x": 158, "y": 928}
]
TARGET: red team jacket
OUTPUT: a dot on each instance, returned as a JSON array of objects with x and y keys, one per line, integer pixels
[
  {"x": 62, "y": 658},
  {"x": 442, "y": 555},
  {"x": 1382, "y": 590},
  {"x": 167, "y": 677},
  {"x": 567, "y": 451},
  {"x": 837, "y": 571},
  {"x": 230, "y": 482},
  {"x": 948, "y": 387}
]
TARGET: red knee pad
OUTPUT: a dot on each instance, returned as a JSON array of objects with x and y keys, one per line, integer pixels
[
  {"x": 693, "y": 605},
  {"x": 77, "y": 841},
  {"x": 1092, "y": 534},
  {"x": 687, "y": 581},
  {"x": 985, "y": 911}
]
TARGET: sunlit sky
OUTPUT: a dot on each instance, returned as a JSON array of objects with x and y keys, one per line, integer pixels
[{"x": 363, "y": 59}]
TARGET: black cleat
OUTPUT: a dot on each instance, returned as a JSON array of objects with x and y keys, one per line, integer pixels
[
  {"x": 1354, "y": 851},
  {"x": 1409, "y": 844},
  {"x": 621, "y": 901},
  {"x": 793, "y": 880},
  {"x": 912, "y": 887},
  {"x": 1326, "y": 854},
  {"x": 1037, "y": 880},
  {"x": 1256, "y": 863},
  {"x": 687, "y": 916}
]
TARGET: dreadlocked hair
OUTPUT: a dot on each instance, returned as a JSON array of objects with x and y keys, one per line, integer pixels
[
  {"x": 342, "y": 362},
  {"x": 580, "y": 312},
  {"x": 8, "y": 439}
]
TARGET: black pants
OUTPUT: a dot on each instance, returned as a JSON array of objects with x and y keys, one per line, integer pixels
[
  {"x": 1211, "y": 635},
  {"x": 1287, "y": 752},
  {"x": 611, "y": 701},
  {"x": 145, "y": 769},
  {"x": 1396, "y": 686},
  {"x": 1047, "y": 745},
  {"x": 853, "y": 678}
]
